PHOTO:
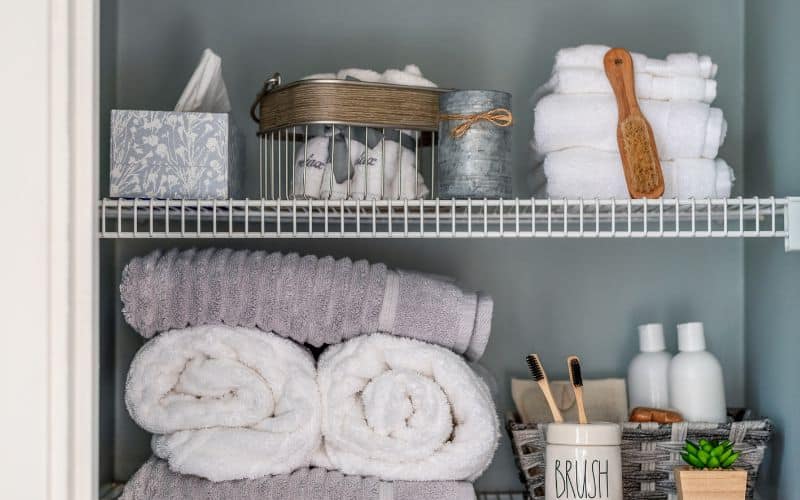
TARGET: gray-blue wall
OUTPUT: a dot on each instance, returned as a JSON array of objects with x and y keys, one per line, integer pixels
[
  {"x": 555, "y": 297},
  {"x": 772, "y": 278}
]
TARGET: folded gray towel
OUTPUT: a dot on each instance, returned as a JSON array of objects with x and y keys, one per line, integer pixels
[
  {"x": 312, "y": 300},
  {"x": 155, "y": 481}
]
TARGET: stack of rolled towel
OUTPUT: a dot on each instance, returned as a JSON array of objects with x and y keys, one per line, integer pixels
[
  {"x": 575, "y": 126},
  {"x": 240, "y": 409},
  {"x": 361, "y": 163}
]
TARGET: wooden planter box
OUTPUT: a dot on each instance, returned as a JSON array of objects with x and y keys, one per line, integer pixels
[{"x": 717, "y": 484}]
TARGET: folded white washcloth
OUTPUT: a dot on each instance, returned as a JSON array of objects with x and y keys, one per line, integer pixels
[
  {"x": 588, "y": 173},
  {"x": 226, "y": 403},
  {"x": 682, "y": 129},
  {"x": 648, "y": 86},
  {"x": 401, "y": 409},
  {"x": 591, "y": 56}
]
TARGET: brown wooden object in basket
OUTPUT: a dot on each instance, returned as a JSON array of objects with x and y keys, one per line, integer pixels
[
  {"x": 346, "y": 102},
  {"x": 637, "y": 146}
]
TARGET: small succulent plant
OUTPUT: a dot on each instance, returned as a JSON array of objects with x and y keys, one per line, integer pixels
[{"x": 710, "y": 454}]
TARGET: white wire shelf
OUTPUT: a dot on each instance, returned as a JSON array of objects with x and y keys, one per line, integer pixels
[
  {"x": 114, "y": 490},
  {"x": 502, "y": 495},
  {"x": 514, "y": 218}
]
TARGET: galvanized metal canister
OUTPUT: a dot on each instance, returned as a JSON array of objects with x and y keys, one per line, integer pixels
[{"x": 478, "y": 163}]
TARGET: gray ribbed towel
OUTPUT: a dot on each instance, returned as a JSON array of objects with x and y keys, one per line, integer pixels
[
  {"x": 155, "y": 481},
  {"x": 311, "y": 300}
]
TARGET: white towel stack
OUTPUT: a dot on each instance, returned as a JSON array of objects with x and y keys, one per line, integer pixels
[
  {"x": 237, "y": 411},
  {"x": 575, "y": 126}
]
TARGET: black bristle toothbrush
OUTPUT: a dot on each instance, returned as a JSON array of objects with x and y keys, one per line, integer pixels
[
  {"x": 574, "y": 365},
  {"x": 538, "y": 374}
]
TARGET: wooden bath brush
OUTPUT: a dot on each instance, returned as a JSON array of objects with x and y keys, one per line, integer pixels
[{"x": 637, "y": 147}]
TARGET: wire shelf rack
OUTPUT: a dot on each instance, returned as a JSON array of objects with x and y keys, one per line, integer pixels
[
  {"x": 514, "y": 218},
  {"x": 114, "y": 491},
  {"x": 502, "y": 495}
]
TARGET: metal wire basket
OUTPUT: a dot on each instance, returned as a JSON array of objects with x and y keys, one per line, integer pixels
[{"x": 346, "y": 140}]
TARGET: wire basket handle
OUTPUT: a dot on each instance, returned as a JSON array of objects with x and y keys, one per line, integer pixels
[{"x": 269, "y": 84}]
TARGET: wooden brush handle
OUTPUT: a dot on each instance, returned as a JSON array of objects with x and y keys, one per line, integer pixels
[
  {"x": 578, "y": 389},
  {"x": 637, "y": 146},
  {"x": 619, "y": 69},
  {"x": 581, "y": 408},
  {"x": 551, "y": 402}
]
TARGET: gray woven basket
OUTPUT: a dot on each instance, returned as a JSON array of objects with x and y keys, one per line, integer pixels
[{"x": 649, "y": 453}]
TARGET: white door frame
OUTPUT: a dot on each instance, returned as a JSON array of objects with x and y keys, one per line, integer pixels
[
  {"x": 73, "y": 389},
  {"x": 49, "y": 254},
  {"x": 74, "y": 174}
]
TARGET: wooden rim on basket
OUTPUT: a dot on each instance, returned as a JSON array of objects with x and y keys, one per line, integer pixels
[{"x": 346, "y": 102}]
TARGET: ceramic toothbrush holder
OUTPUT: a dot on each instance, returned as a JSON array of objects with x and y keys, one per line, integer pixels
[{"x": 583, "y": 461}]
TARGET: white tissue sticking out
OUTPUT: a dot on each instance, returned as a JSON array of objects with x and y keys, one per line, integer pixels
[{"x": 206, "y": 91}]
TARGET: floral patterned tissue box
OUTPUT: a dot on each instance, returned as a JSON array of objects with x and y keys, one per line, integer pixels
[{"x": 170, "y": 154}]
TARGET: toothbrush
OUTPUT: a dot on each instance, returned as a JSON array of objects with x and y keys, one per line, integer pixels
[
  {"x": 537, "y": 371},
  {"x": 575, "y": 377}
]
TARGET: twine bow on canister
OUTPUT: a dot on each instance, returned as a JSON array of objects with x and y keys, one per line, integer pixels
[{"x": 501, "y": 117}]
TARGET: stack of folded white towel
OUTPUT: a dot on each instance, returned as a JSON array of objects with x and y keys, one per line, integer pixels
[
  {"x": 575, "y": 126},
  {"x": 242, "y": 413},
  {"x": 339, "y": 164}
]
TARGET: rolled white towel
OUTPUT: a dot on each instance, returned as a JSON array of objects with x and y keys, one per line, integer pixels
[
  {"x": 682, "y": 129},
  {"x": 370, "y": 172},
  {"x": 648, "y": 86},
  {"x": 401, "y": 409},
  {"x": 587, "y": 173},
  {"x": 380, "y": 165},
  {"x": 309, "y": 166},
  {"x": 591, "y": 56},
  {"x": 226, "y": 403},
  {"x": 408, "y": 184}
]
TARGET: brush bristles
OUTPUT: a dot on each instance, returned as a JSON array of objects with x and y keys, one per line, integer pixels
[
  {"x": 535, "y": 368},
  {"x": 575, "y": 368},
  {"x": 641, "y": 157}
]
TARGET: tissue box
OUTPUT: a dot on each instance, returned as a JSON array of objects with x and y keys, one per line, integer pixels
[{"x": 170, "y": 154}]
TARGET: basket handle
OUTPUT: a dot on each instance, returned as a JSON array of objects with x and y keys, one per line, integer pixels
[{"x": 269, "y": 84}]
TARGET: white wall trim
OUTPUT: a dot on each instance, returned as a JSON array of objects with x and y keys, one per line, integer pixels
[
  {"x": 72, "y": 250},
  {"x": 48, "y": 366}
]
